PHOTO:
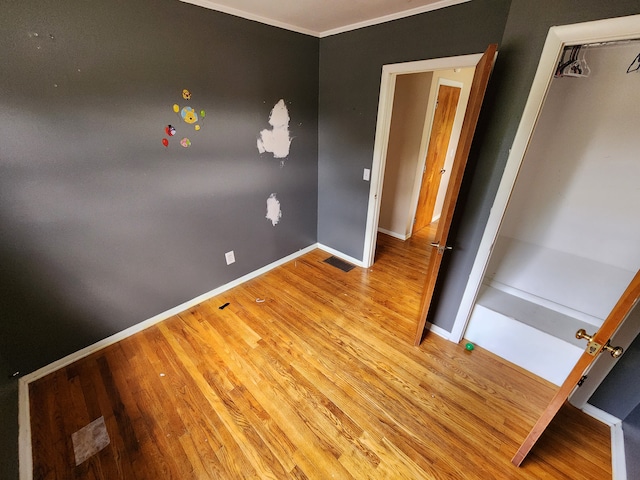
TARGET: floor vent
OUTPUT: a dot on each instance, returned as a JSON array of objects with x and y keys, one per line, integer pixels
[{"x": 341, "y": 264}]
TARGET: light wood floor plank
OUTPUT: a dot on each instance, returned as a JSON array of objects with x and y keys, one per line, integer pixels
[{"x": 309, "y": 373}]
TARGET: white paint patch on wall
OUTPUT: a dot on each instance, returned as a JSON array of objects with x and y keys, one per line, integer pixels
[
  {"x": 274, "y": 213},
  {"x": 276, "y": 140}
]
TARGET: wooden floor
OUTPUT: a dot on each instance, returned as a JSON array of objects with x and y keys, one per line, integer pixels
[{"x": 308, "y": 373}]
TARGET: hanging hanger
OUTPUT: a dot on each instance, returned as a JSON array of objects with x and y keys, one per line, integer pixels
[
  {"x": 576, "y": 65},
  {"x": 563, "y": 65},
  {"x": 586, "y": 71},
  {"x": 635, "y": 65}
]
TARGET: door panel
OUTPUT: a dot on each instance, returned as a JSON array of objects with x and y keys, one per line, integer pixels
[
  {"x": 442, "y": 125},
  {"x": 619, "y": 313},
  {"x": 478, "y": 89}
]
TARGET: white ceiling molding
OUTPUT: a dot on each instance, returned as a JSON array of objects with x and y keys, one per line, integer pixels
[
  {"x": 322, "y": 18},
  {"x": 393, "y": 16},
  {"x": 250, "y": 16}
]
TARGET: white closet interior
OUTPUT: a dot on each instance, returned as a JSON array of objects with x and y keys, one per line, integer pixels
[{"x": 569, "y": 242}]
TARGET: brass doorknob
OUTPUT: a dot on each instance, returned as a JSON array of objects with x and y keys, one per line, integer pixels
[
  {"x": 582, "y": 333},
  {"x": 614, "y": 351}
]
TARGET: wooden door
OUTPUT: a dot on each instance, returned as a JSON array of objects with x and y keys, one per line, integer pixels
[
  {"x": 621, "y": 310},
  {"x": 443, "y": 117},
  {"x": 476, "y": 96}
]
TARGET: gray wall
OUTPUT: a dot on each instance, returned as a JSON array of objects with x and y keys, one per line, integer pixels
[
  {"x": 350, "y": 71},
  {"x": 8, "y": 425},
  {"x": 104, "y": 227},
  {"x": 619, "y": 393}
]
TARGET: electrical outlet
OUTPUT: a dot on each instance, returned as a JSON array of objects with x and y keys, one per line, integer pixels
[
  {"x": 367, "y": 174},
  {"x": 230, "y": 257}
]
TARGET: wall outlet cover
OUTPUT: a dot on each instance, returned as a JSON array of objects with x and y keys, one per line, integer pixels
[{"x": 230, "y": 257}]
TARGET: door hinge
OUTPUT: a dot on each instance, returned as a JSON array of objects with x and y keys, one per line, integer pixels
[{"x": 581, "y": 381}]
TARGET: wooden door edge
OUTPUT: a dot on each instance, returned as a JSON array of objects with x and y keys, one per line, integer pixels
[
  {"x": 627, "y": 301},
  {"x": 480, "y": 81}
]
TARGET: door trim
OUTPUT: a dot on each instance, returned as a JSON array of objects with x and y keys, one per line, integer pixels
[
  {"x": 383, "y": 124},
  {"x": 608, "y": 30}
]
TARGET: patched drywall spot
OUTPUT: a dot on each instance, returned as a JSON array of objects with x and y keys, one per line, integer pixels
[
  {"x": 273, "y": 209},
  {"x": 276, "y": 140}
]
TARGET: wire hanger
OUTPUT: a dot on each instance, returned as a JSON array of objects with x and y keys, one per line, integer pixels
[
  {"x": 576, "y": 65},
  {"x": 635, "y": 65}
]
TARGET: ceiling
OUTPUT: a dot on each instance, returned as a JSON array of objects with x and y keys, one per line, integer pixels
[{"x": 322, "y": 18}]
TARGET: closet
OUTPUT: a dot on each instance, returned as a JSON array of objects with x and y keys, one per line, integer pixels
[{"x": 569, "y": 242}]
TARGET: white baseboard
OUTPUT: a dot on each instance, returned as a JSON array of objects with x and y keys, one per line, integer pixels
[
  {"x": 24, "y": 418},
  {"x": 25, "y": 455},
  {"x": 393, "y": 234},
  {"x": 600, "y": 415},
  {"x": 618, "y": 459},
  {"x": 441, "y": 332},
  {"x": 341, "y": 255}
]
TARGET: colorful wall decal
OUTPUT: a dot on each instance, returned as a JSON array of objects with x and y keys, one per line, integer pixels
[
  {"x": 276, "y": 140},
  {"x": 188, "y": 115}
]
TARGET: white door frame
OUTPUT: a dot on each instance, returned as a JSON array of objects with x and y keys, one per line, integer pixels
[
  {"x": 608, "y": 30},
  {"x": 385, "y": 108}
]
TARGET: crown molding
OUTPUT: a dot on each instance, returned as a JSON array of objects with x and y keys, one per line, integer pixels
[{"x": 212, "y": 5}]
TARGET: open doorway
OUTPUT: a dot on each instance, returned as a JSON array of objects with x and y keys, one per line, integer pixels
[
  {"x": 483, "y": 65},
  {"x": 426, "y": 120},
  {"x": 404, "y": 189}
]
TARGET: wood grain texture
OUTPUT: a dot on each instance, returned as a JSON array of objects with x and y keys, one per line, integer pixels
[
  {"x": 476, "y": 97},
  {"x": 318, "y": 381},
  {"x": 439, "y": 138},
  {"x": 618, "y": 314}
]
